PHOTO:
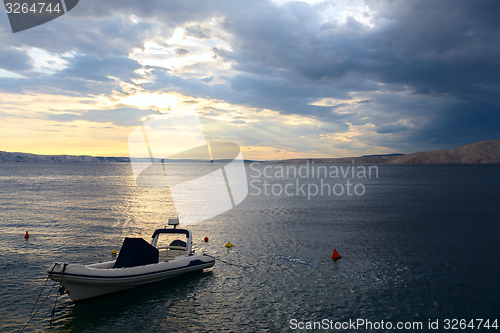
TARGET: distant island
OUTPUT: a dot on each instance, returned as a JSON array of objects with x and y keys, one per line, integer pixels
[
  {"x": 7, "y": 157},
  {"x": 485, "y": 152}
]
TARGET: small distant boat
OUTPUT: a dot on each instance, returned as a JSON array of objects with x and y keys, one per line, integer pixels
[{"x": 138, "y": 263}]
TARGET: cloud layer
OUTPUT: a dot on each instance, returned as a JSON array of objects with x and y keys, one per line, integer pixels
[{"x": 317, "y": 78}]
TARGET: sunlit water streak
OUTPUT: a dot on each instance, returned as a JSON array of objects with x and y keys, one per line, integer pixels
[{"x": 421, "y": 243}]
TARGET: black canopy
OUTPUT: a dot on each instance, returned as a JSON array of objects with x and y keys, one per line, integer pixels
[{"x": 136, "y": 252}]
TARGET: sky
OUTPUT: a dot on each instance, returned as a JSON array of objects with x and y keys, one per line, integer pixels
[{"x": 282, "y": 79}]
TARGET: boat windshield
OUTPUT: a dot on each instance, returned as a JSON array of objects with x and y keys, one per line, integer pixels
[{"x": 168, "y": 240}]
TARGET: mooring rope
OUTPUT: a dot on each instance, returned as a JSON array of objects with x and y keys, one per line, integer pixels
[
  {"x": 43, "y": 302},
  {"x": 41, "y": 291},
  {"x": 33, "y": 315},
  {"x": 57, "y": 296},
  {"x": 227, "y": 262}
]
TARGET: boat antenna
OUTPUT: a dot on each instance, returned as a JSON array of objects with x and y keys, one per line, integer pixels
[{"x": 174, "y": 222}]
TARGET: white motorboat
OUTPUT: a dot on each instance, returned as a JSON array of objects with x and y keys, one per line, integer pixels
[{"x": 138, "y": 263}]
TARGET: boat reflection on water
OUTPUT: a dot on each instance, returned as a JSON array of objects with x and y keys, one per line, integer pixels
[{"x": 149, "y": 302}]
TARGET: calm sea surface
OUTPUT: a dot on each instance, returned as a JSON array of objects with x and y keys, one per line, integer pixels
[{"x": 418, "y": 243}]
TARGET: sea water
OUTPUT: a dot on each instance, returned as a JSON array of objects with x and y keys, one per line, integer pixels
[{"x": 419, "y": 244}]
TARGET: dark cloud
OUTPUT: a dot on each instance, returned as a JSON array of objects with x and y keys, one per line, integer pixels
[
  {"x": 85, "y": 75},
  {"x": 392, "y": 128},
  {"x": 18, "y": 85},
  {"x": 422, "y": 91},
  {"x": 90, "y": 67},
  {"x": 422, "y": 44},
  {"x": 449, "y": 49},
  {"x": 458, "y": 125},
  {"x": 14, "y": 59},
  {"x": 114, "y": 35}
]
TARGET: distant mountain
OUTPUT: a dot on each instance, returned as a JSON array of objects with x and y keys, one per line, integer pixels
[
  {"x": 7, "y": 157},
  {"x": 361, "y": 159},
  {"x": 389, "y": 155},
  {"x": 25, "y": 157},
  {"x": 485, "y": 152}
]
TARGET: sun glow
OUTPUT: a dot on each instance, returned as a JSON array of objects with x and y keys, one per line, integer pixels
[{"x": 163, "y": 102}]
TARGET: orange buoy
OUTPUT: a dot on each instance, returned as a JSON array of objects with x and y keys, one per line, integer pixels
[
  {"x": 205, "y": 239},
  {"x": 335, "y": 254},
  {"x": 27, "y": 235}
]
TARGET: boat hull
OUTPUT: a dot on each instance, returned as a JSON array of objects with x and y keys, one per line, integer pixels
[{"x": 83, "y": 282}]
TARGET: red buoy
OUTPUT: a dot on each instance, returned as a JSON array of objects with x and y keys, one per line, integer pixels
[
  {"x": 205, "y": 239},
  {"x": 335, "y": 254},
  {"x": 27, "y": 235}
]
